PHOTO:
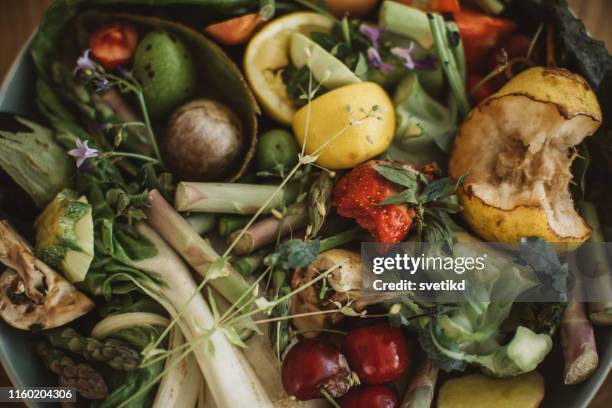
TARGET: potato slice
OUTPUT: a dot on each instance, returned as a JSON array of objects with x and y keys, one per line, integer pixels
[
  {"x": 517, "y": 148},
  {"x": 480, "y": 391}
]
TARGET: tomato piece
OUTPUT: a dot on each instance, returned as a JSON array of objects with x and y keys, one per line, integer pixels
[
  {"x": 480, "y": 34},
  {"x": 235, "y": 31},
  {"x": 113, "y": 44},
  {"x": 441, "y": 6}
]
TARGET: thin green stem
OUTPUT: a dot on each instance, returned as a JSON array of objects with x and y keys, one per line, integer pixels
[
  {"x": 328, "y": 397},
  {"x": 129, "y": 156},
  {"x": 307, "y": 4},
  {"x": 150, "y": 134}
]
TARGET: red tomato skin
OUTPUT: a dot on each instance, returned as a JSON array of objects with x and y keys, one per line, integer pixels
[
  {"x": 480, "y": 34},
  {"x": 113, "y": 44},
  {"x": 378, "y": 353},
  {"x": 235, "y": 31},
  {"x": 370, "y": 396},
  {"x": 309, "y": 364}
]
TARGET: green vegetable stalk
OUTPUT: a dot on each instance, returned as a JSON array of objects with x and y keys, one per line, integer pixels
[
  {"x": 194, "y": 249},
  {"x": 231, "y": 223},
  {"x": 115, "y": 354},
  {"x": 31, "y": 157},
  {"x": 407, "y": 21},
  {"x": 451, "y": 56},
  {"x": 269, "y": 229},
  {"x": 86, "y": 380},
  {"x": 201, "y": 223},
  {"x": 229, "y": 198},
  {"x": 594, "y": 263}
]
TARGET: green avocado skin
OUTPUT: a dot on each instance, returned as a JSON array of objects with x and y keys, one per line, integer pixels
[{"x": 165, "y": 69}]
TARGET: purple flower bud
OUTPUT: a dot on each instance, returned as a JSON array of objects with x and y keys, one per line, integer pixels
[
  {"x": 372, "y": 33},
  {"x": 84, "y": 62},
  {"x": 405, "y": 55},
  {"x": 377, "y": 62}
]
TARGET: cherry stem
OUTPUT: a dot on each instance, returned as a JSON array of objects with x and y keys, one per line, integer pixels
[{"x": 328, "y": 397}]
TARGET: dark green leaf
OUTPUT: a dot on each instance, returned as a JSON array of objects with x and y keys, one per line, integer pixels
[
  {"x": 406, "y": 196},
  {"x": 403, "y": 177}
]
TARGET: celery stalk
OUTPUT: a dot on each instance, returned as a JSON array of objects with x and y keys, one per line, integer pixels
[{"x": 406, "y": 21}]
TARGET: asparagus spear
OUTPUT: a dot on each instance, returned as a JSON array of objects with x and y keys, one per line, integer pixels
[
  {"x": 110, "y": 351},
  {"x": 87, "y": 381},
  {"x": 267, "y": 230},
  {"x": 420, "y": 392},
  {"x": 577, "y": 340},
  {"x": 595, "y": 265},
  {"x": 230, "y": 198}
]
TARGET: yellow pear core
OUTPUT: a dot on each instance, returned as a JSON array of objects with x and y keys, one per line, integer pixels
[
  {"x": 516, "y": 149},
  {"x": 346, "y": 126}
]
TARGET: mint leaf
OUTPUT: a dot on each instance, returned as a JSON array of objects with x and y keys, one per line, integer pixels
[
  {"x": 296, "y": 253},
  {"x": 440, "y": 189},
  {"x": 406, "y": 196},
  {"x": 542, "y": 258},
  {"x": 401, "y": 176}
]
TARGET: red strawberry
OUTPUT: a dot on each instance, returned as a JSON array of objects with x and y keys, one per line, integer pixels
[{"x": 357, "y": 195}]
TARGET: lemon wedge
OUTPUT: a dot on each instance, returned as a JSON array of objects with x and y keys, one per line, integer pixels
[{"x": 268, "y": 54}]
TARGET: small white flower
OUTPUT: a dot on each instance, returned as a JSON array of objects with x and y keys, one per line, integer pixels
[{"x": 83, "y": 152}]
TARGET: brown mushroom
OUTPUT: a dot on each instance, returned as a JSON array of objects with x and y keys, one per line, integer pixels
[
  {"x": 344, "y": 283},
  {"x": 32, "y": 295}
]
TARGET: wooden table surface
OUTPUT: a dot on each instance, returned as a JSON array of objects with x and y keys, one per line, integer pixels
[{"x": 19, "y": 17}]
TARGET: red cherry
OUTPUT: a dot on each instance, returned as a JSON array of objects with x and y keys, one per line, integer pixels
[
  {"x": 113, "y": 44},
  {"x": 313, "y": 364},
  {"x": 378, "y": 353},
  {"x": 370, "y": 396}
]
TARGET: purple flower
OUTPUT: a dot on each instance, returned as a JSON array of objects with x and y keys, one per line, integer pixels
[
  {"x": 405, "y": 54},
  {"x": 372, "y": 33},
  {"x": 377, "y": 62},
  {"x": 101, "y": 84},
  {"x": 84, "y": 62},
  {"x": 83, "y": 152},
  {"x": 123, "y": 71}
]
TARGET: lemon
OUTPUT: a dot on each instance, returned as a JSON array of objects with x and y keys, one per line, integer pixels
[
  {"x": 326, "y": 69},
  {"x": 346, "y": 126},
  {"x": 514, "y": 148},
  {"x": 268, "y": 54}
]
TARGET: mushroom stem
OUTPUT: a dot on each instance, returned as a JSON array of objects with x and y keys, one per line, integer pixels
[
  {"x": 230, "y": 198},
  {"x": 269, "y": 229}
]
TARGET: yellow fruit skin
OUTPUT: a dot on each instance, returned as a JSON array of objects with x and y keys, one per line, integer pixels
[
  {"x": 496, "y": 225},
  {"x": 479, "y": 391},
  {"x": 572, "y": 96},
  {"x": 329, "y": 116},
  {"x": 570, "y": 92}
]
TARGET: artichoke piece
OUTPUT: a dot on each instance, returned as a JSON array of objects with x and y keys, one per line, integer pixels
[
  {"x": 65, "y": 236},
  {"x": 30, "y": 155},
  {"x": 32, "y": 295}
]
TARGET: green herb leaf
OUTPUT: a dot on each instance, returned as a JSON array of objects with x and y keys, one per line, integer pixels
[
  {"x": 397, "y": 175},
  {"x": 406, "y": 196},
  {"x": 218, "y": 269}
]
